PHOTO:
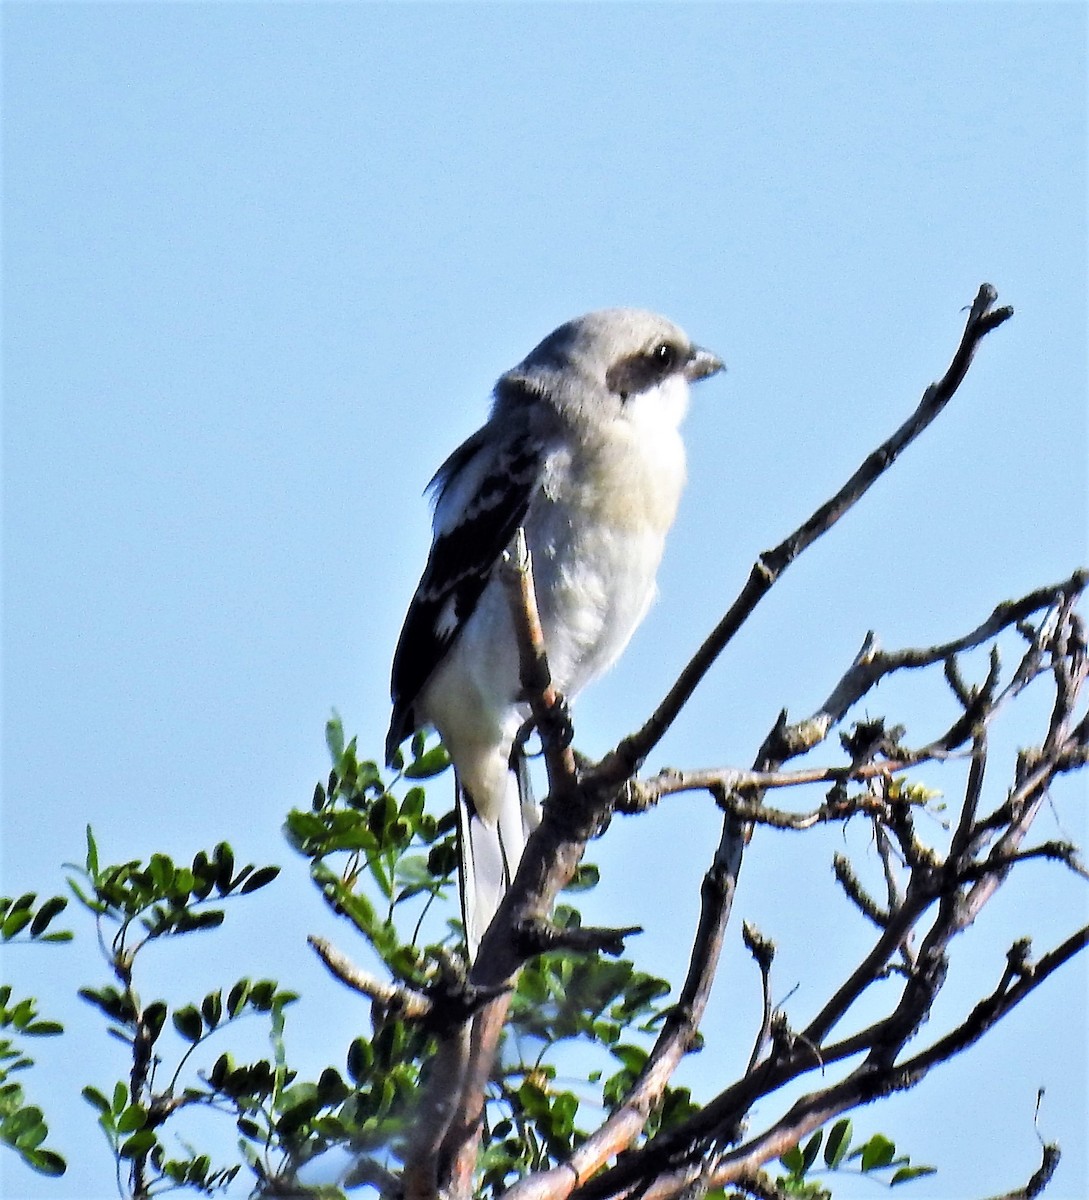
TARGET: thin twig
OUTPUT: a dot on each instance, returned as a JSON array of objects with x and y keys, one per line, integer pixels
[
  {"x": 396, "y": 999},
  {"x": 1040, "y": 1178}
]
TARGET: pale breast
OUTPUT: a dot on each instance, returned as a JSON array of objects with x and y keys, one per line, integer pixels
[{"x": 597, "y": 535}]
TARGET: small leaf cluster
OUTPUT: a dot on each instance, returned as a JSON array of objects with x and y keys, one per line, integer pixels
[
  {"x": 876, "y": 1158},
  {"x": 20, "y": 921},
  {"x": 561, "y": 996},
  {"x": 389, "y": 851},
  {"x": 283, "y": 1122},
  {"x": 605, "y": 1006},
  {"x": 362, "y": 1107},
  {"x": 676, "y": 1104},
  {"x": 22, "y": 1126},
  {"x": 128, "y": 1127},
  {"x": 164, "y": 897},
  {"x": 537, "y": 1128},
  {"x": 135, "y": 903}
]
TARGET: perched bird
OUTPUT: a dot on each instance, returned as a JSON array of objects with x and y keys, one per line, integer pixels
[{"x": 583, "y": 451}]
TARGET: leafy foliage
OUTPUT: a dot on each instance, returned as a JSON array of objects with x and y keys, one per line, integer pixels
[
  {"x": 23, "y": 1127},
  {"x": 376, "y": 855},
  {"x": 381, "y": 860},
  {"x": 876, "y": 1157},
  {"x": 21, "y": 922},
  {"x": 135, "y": 904}
]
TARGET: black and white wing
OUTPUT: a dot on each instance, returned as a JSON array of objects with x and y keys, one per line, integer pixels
[{"x": 482, "y": 493}]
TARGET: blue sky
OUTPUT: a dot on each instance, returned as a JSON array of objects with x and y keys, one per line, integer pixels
[{"x": 262, "y": 264}]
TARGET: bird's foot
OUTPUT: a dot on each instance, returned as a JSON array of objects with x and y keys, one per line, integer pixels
[{"x": 559, "y": 728}]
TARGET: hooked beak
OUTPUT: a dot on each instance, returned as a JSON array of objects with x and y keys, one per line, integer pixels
[{"x": 702, "y": 364}]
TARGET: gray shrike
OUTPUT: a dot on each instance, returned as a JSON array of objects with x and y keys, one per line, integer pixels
[{"x": 583, "y": 450}]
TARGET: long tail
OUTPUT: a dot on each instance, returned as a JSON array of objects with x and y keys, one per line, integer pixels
[{"x": 490, "y": 852}]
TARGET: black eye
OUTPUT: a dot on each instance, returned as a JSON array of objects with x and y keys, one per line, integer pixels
[{"x": 641, "y": 371}]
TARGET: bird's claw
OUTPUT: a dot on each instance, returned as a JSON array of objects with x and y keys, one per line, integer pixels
[{"x": 561, "y": 729}]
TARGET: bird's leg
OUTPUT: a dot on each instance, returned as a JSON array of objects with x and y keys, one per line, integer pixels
[{"x": 558, "y": 728}]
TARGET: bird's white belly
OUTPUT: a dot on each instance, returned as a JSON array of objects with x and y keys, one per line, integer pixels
[
  {"x": 596, "y": 537},
  {"x": 593, "y": 589},
  {"x": 595, "y": 533}
]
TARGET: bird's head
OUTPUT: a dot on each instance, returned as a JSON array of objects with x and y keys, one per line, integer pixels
[{"x": 616, "y": 363}]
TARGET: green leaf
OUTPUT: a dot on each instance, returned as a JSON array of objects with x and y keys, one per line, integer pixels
[
  {"x": 46, "y": 913},
  {"x": 252, "y": 1130},
  {"x": 14, "y": 923},
  {"x": 429, "y": 764},
  {"x": 262, "y": 994},
  {"x": 839, "y": 1138},
  {"x": 211, "y": 1008},
  {"x": 189, "y": 922},
  {"x": 878, "y": 1152},
  {"x": 237, "y": 997},
  {"x": 43, "y": 1029},
  {"x": 412, "y": 806},
  {"x": 334, "y": 737},
  {"x": 442, "y": 858},
  {"x": 45, "y": 1162},
  {"x": 221, "y": 1068},
  {"x": 204, "y": 876},
  {"x": 92, "y": 855},
  {"x": 22, "y": 1014},
  {"x": 24, "y": 1127},
  {"x": 138, "y": 1145},
  {"x": 331, "y": 1088},
  {"x": 188, "y": 1023},
  {"x": 360, "y": 1060},
  {"x": 812, "y": 1149},
  {"x": 633, "y": 1057},
  {"x": 382, "y": 814},
  {"x": 793, "y": 1161},
  {"x": 110, "y": 1001},
  {"x": 161, "y": 869},
  {"x": 154, "y": 1018},
  {"x": 259, "y": 879},
  {"x": 94, "y": 1097},
  {"x": 134, "y": 1117},
  {"x": 184, "y": 883},
  {"x": 906, "y": 1173},
  {"x": 585, "y": 878},
  {"x": 223, "y": 856}
]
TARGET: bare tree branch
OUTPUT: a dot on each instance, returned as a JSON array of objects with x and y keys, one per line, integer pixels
[
  {"x": 1040, "y": 1178},
  {"x": 631, "y": 752},
  {"x": 398, "y": 1000},
  {"x": 810, "y": 1112},
  {"x": 931, "y": 898},
  {"x": 668, "y": 1163},
  {"x": 548, "y": 708}
]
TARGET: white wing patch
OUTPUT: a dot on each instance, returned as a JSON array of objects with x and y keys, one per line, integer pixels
[{"x": 446, "y": 623}]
